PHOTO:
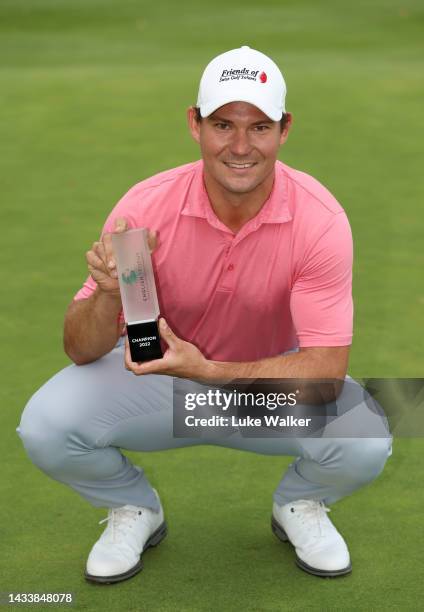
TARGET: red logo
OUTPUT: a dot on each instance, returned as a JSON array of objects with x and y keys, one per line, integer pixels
[{"x": 262, "y": 77}]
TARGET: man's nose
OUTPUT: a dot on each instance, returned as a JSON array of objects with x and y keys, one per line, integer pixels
[{"x": 240, "y": 144}]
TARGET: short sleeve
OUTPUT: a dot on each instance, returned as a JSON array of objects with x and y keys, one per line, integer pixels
[
  {"x": 321, "y": 298},
  {"x": 87, "y": 289}
]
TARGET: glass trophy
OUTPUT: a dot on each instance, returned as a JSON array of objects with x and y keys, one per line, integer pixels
[{"x": 138, "y": 293}]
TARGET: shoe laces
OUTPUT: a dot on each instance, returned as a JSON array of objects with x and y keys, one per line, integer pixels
[
  {"x": 119, "y": 520},
  {"x": 313, "y": 513}
]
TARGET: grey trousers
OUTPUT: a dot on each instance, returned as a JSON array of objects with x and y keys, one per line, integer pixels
[{"x": 74, "y": 427}]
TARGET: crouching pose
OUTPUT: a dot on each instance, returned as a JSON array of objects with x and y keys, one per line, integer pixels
[{"x": 240, "y": 242}]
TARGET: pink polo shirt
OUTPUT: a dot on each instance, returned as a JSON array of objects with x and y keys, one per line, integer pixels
[{"x": 283, "y": 281}]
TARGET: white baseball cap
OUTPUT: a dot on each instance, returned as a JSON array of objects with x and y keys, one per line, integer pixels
[{"x": 243, "y": 75}]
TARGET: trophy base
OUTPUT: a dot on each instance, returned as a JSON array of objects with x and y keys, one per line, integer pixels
[{"x": 144, "y": 340}]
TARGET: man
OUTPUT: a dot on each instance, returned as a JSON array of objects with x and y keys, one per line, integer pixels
[{"x": 240, "y": 243}]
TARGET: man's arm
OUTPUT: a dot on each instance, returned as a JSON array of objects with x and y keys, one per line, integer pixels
[
  {"x": 313, "y": 362},
  {"x": 92, "y": 326},
  {"x": 185, "y": 360}
]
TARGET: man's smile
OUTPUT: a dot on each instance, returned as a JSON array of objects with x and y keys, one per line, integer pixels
[{"x": 239, "y": 165}]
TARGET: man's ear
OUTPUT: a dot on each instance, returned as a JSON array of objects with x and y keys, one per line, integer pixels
[
  {"x": 193, "y": 124},
  {"x": 285, "y": 133}
]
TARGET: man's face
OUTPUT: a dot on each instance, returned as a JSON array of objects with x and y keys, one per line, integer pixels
[{"x": 239, "y": 145}]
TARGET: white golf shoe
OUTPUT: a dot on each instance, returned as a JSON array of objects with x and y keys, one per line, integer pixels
[
  {"x": 117, "y": 553},
  {"x": 320, "y": 549}
]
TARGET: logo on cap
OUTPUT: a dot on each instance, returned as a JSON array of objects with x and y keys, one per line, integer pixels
[
  {"x": 237, "y": 74},
  {"x": 262, "y": 77}
]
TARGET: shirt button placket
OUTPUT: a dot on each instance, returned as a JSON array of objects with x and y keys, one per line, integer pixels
[{"x": 228, "y": 270}]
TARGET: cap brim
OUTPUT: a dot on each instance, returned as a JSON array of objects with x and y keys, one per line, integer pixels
[{"x": 273, "y": 113}]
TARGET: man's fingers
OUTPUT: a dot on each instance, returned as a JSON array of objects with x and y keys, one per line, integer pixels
[
  {"x": 104, "y": 248},
  {"x": 147, "y": 367},
  {"x": 121, "y": 225},
  {"x": 167, "y": 334},
  {"x": 94, "y": 262},
  {"x": 101, "y": 250},
  {"x": 152, "y": 240},
  {"x": 127, "y": 354},
  {"x": 157, "y": 366},
  {"x": 110, "y": 260}
]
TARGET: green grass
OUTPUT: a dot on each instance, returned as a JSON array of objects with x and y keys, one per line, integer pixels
[
  {"x": 92, "y": 100},
  {"x": 220, "y": 553}
]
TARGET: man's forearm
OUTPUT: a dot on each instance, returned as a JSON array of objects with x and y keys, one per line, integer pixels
[
  {"x": 184, "y": 360},
  {"x": 324, "y": 363},
  {"x": 328, "y": 365},
  {"x": 92, "y": 327}
]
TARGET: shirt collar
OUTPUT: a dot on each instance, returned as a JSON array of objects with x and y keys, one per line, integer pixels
[{"x": 275, "y": 209}]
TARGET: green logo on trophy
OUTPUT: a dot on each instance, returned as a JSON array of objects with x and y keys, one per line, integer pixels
[{"x": 130, "y": 278}]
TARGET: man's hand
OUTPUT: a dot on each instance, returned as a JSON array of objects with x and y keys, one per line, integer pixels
[
  {"x": 101, "y": 261},
  {"x": 181, "y": 359}
]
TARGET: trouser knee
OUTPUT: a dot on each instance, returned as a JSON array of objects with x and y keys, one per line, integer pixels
[
  {"x": 360, "y": 461},
  {"x": 368, "y": 457},
  {"x": 45, "y": 434}
]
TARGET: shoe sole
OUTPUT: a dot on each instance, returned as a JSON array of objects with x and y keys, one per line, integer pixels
[
  {"x": 281, "y": 535},
  {"x": 155, "y": 539}
]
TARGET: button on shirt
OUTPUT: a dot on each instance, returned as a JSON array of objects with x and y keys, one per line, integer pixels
[{"x": 283, "y": 281}]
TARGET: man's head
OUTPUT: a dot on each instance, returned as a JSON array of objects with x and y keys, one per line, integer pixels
[
  {"x": 242, "y": 75},
  {"x": 240, "y": 119}
]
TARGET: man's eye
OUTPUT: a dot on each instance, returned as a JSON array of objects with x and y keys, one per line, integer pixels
[
  {"x": 222, "y": 126},
  {"x": 261, "y": 128}
]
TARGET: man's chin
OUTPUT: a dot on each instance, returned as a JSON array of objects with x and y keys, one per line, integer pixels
[{"x": 240, "y": 186}]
